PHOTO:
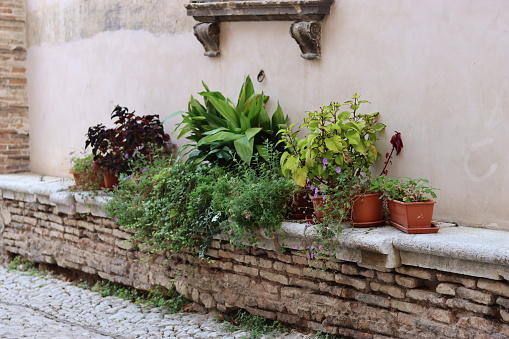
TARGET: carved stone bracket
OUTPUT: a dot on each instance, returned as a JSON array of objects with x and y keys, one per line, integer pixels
[
  {"x": 208, "y": 34},
  {"x": 308, "y": 35},
  {"x": 306, "y": 30}
]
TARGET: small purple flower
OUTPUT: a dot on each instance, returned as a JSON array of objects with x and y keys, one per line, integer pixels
[
  {"x": 72, "y": 207},
  {"x": 311, "y": 247},
  {"x": 128, "y": 176},
  {"x": 324, "y": 197},
  {"x": 144, "y": 170},
  {"x": 312, "y": 187},
  {"x": 296, "y": 246},
  {"x": 325, "y": 163},
  {"x": 311, "y": 255},
  {"x": 307, "y": 224},
  {"x": 338, "y": 169},
  {"x": 316, "y": 192},
  {"x": 126, "y": 155},
  {"x": 320, "y": 247}
]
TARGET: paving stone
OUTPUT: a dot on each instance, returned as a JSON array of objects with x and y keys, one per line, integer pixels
[{"x": 39, "y": 307}]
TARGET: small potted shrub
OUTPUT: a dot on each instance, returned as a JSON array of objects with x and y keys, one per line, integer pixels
[
  {"x": 339, "y": 147},
  {"x": 84, "y": 171},
  {"x": 409, "y": 202},
  {"x": 367, "y": 208},
  {"x": 132, "y": 137}
]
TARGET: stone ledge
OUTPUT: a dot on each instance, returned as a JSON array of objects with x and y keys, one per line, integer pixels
[
  {"x": 463, "y": 250},
  {"x": 53, "y": 191}
]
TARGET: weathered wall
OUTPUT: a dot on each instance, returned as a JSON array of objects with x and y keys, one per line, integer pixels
[
  {"x": 364, "y": 300},
  {"x": 14, "y": 146},
  {"x": 436, "y": 70}
]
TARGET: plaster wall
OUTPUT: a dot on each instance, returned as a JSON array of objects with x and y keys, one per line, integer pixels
[{"x": 435, "y": 70}]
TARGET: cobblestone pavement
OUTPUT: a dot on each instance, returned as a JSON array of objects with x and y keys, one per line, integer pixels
[{"x": 41, "y": 307}]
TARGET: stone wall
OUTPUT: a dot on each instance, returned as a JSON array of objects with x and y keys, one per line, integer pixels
[
  {"x": 14, "y": 147},
  {"x": 373, "y": 294}
]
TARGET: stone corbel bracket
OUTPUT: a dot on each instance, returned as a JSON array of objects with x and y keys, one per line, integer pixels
[{"x": 306, "y": 14}]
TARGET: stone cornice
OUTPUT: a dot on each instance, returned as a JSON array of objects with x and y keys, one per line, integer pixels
[
  {"x": 255, "y": 10},
  {"x": 305, "y": 14}
]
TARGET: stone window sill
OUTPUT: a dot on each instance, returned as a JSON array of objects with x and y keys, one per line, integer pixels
[{"x": 457, "y": 249}]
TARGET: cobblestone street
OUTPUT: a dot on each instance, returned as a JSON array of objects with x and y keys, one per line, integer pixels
[{"x": 40, "y": 307}]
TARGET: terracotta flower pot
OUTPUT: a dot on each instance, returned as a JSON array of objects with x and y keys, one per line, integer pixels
[
  {"x": 302, "y": 206},
  {"x": 367, "y": 210},
  {"x": 318, "y": 203},
  {"x": 110, "y": 180},
  {"x": 412, "y": 217}
]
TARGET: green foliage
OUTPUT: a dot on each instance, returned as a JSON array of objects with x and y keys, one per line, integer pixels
[
  {"x": 167, "y": 299},
  {"x": 220, "y": 131},
  {"x": 86, "y": 174},
  {"x": 81, "y": 162},
  {"x": 257, "y": 326},
  {"x": 127, "y": 207},
  {"x": 337, "y": 141},
  {"x": 254, "y": 201},
  {"x": 20, "y": 263},
  {"x": 406, "y": 189}
]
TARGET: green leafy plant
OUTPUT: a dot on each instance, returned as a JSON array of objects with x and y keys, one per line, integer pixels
[
  {"x": 87, "y": 175},
  {"x": 405, "y": 189},
  {"x": 338, "y": 141},
  {"x": 131, "y": 137},
  {"x": 220, "y": 131},
  {"x": 257, "y": 326}
]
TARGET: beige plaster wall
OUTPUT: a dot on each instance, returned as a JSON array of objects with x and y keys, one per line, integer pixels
[{"x": 436, "y": 70}]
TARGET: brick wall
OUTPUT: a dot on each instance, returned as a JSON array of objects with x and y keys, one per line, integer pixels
[
  {"x": 334, "y": 296},
  {"x": 14, "y": 147}
]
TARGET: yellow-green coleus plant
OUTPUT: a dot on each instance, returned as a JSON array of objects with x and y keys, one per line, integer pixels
[{"x": 341, "y": 141}]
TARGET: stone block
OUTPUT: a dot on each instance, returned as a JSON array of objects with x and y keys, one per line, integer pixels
[
  {"x": 300, "y": 260},
  {"x": 257, "y": 261},
  {"x": 472, "y": 307},
  {"x": 474, "y": 295},
  {"x": 231, "y": 255},
  {"x": 279, "y": 266},
  {"x": 359, "y": 284},
  {"x": 119, "y": 234},
  {"x": 447, "y": 289},
  {"x": 318, "y": 327},
  {"x": 393, "y": 291},
  {"x": 408, "y": 282},
  {"x": 71, "y": 238},
  {"x": 226, "y": 265},
  {"x": 443, "y": 316},
  {"x": 503, "y": 302},
  {"x": 262, "y": 313},
  {"x": 287, "y": 258},
  {"x": 421, "y": 273},
  {"x": 318, "y": 274},
  {"x": 372, "y": 299},
  {"x": 407, "y": 307},
  {"x": 426, "y": 296},
  {"x": 288, "y": 318},
  {"x": 504, "y": 315},
  {"x": 349, "y": 269},
  {"x": 279, "y": 278},
  {"x": 304, "y": 283},
  {"x": 477, "y": 323},
  {"x": 466, "y": 281},
  {"x": 246, "y": 270},
  {"x": 498, "y": 288},
  {"x": 57, "y": 227}
]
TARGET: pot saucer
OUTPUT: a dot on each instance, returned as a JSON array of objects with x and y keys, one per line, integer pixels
[
  {"x": 415, "y": 230},
  {"x": 368, "y": 224}
]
